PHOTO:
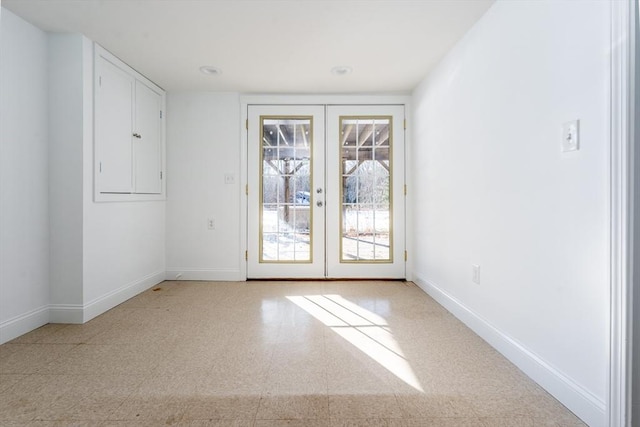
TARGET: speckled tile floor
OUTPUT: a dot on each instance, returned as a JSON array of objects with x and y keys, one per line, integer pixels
[{"x": 361, "y": 353}]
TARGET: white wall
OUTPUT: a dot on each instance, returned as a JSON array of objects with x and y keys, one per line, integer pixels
[
  {"x": 494, "y": 189},
  {"x": 123, "y": 242},
  {"x": 203, "y": 144},
  {"x": 102, "y": 253},
  {"x": 64, "y": 258},
  {"x": 24, "y": 211},
  {"x": 124, "y": 251},
  {"x": 65, "y": 168}
]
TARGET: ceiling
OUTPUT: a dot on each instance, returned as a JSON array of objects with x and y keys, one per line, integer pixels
[{"x": 267, "y": 46}]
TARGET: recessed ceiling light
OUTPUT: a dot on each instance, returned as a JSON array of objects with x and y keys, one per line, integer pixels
[
  {"x": 210, "y": 70},
  {"x": 341, "y": 70}
]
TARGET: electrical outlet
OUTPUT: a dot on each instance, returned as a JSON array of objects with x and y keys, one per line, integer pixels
[
  {"x": 475, "y": 273},
  {"x": 211, "y": 224},
  {"x": 229, "y": 178}
]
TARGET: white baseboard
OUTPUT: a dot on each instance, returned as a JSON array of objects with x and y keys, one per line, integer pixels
[
  {"x": 75, "y": 313},
  {"x": 66, "y": 313},
  {"x": 580, "y": 401},
  {"x": 20, "y": 325},
  {"x": 220, "y": 275},
  {"x": 118, "y": 296}
]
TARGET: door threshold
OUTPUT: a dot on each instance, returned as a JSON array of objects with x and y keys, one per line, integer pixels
[{"x": 325, "y": 279}]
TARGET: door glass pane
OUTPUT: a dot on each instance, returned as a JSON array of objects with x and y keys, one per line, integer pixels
[
  {"x": 365, "y": 214},
  {"x": 285, "y": 193}
]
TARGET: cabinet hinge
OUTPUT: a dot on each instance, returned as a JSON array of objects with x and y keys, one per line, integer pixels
[
  {"x": 405, "y": 189},
  {"x": 246, "y": 189},
  {"x": 405, "y": 124},
  {"x": 246, "y": 124},
  {"x": 160, "y": 174},
  {"x": 160, "y": 113},
  {"x": 99, "y": 80},
  {"x": 100, "y": 166},
  {"x": 406, "y": 255},
  {"x": 246, "y": 255}
]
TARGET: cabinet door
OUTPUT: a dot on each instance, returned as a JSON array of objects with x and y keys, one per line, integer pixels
[
  {"x": 113, "y": 128},
  {"x": 147, "y": 142}
]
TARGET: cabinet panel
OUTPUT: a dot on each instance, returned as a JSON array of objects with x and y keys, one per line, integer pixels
[
  {"x": 113, "y": 120},
  {"x": 146, "y": 144}
]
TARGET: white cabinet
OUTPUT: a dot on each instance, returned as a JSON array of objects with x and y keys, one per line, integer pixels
[
  {"x": 113, "y": 128},
  {"x": 146, "y": 145},
  {"x": 129, "y": 132}
]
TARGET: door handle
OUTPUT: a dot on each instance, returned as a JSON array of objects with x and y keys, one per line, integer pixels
[
  {"x": 319, "y": 203},
  {"x": 137, "y": 135}
]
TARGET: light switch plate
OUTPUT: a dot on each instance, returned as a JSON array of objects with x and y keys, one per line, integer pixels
[
  {"x": 475, "y": 273},
  {"x": 571, "y": 136},
  {"x": 229, "y": 178}
]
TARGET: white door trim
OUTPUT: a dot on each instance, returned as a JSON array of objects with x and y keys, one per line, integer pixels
[
  {"x": 622, "y": 187},
  {"x": 395, "y": 268}
]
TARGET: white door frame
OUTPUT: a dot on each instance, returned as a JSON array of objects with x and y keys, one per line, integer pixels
[
  {"x": 246, "y": 100},
  {"x": 314, "y": 267},
  {"x": 337, "y": 266},
  {"x": 623, "y": 146}
]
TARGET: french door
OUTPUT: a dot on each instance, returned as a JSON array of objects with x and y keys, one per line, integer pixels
[{"x": 325, "y": 192}]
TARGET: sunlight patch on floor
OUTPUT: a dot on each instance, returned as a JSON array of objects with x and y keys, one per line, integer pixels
[{"x": 367, "y": 331}]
